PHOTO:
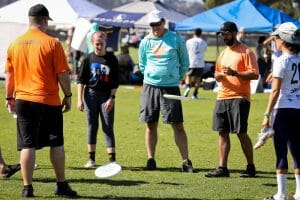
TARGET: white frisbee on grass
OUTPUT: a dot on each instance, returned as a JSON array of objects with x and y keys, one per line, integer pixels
[
  {"x": 108, "y": 170},
  {"x": 176, "y": 97}
]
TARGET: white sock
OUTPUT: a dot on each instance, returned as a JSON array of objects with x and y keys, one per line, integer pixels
[
  {"x": 297, "y": 193},
  {"x": 281, "y": 181}
]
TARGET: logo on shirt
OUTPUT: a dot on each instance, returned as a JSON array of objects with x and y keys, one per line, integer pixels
[
  {"x": 99, "y": 72},
  {"x": 158, "y": 51},
  {"x": 52, "y": 137}
]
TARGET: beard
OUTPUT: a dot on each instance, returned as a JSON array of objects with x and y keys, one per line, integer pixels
[{"x": 229, "y": 42}]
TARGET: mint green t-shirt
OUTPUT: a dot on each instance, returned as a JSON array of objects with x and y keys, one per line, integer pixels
[{"x": 163, "y": 61}]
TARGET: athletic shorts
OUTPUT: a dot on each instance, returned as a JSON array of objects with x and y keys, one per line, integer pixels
[
  {"x": 231, "y": 115},
  {"x": 197, "y": 72},
  {"x": 38, "y": 125},
  {"x": 153, "y": 102}
]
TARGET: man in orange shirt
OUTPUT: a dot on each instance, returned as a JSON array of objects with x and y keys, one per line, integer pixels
[
  {"x": 36, "y": 65},
  {"x": 235, "y": 67}
]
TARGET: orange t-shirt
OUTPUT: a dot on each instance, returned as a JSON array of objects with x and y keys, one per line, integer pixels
[
  {"x": 241, "y": 59},
  {"x": 35, "y": 59}
]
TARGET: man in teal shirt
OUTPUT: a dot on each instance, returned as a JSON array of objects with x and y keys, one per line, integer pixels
[{"x": 163, "y": 60}]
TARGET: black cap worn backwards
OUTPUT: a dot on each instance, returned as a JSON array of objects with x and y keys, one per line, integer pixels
[{"x": 39, "y": 10}]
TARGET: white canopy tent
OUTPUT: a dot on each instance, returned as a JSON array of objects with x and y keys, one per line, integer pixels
[
  {"x": 148, "y": 6},
  {"x": 65, "y": 13}
]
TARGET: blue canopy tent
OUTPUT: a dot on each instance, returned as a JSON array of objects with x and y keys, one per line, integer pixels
[
  {"x": 118, "y": 18},
  {"x": 249, "y": 14}
]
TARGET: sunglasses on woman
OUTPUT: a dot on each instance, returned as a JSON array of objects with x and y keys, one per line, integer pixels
[{"x": 155, "y": 24}]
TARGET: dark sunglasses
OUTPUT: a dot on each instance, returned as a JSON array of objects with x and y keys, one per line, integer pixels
[
  {"x": 155, "y": 24},
  {"x": 224, "y": 33}
]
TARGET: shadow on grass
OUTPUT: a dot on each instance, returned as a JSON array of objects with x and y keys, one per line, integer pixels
[
  {"x": 165, "y": 169},
  {"x": 146, "y": 198},
  {"x": 140, "y": 198},
  {"x": 129, "y": 168},
  {"x": 95, "y": 181}
]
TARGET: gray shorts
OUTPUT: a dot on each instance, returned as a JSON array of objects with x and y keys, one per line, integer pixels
[
  {"x": 153, "y": 102},
  {"x": 231, "y": 115}
]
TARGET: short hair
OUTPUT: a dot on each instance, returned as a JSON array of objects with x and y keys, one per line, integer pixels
[
  {"x": 99, "y": 34},
  {"x": 37, "y": 20},
  {"x": 198, "y": 31}
]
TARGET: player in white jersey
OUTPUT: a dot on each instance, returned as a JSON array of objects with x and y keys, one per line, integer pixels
[
  {"x": 196, "y": 47},
  {"x": 284, "y": 106}
]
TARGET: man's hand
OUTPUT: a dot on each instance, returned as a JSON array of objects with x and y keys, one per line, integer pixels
[
  {"x": 219, "y": 76},
  {"x": 66, "y": 104},
  {"x": 228, "y": 71}
]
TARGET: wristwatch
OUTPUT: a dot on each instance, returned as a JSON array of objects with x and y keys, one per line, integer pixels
[
  {"x": 113, "y": 96},
  {"x": 68, "y": 96},
  {"x": 234, "y": 73}
]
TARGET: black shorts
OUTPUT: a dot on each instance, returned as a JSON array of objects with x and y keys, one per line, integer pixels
[
  {"x": 231, "y": 115},
  {"x": 38, "y": 125},
  {"x": 197, "y": 72},
  {"x": 153, "y": 102}
]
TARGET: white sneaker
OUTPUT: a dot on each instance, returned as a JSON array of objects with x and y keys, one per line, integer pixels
[
  {"x": 187, "y": 91},
  {"x": 195, "y": 97},
  {"x": 90, "y": 164},
  {"x": 265, "y": 133}
]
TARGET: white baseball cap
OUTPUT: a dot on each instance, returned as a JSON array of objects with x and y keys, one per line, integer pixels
[
  {"x": 288, "y": 32},
  {"x": 155, "y": 16}
]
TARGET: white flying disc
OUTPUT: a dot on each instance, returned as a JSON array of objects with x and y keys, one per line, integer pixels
[
  {"x": 176, "y": 97},
  {"x": 108, "y": 170}
]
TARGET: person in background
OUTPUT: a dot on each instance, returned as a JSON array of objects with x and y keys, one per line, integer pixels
[
  {"x": 270, "y": 45},
  {"x": 36, "y": 66},
  {"x": 97, "y": 84},
  {"x": 94, "y": 28},
  {"x": 283, "y": 110},
  {"x": 125, "y": 64},
  {"x": 196, "y": 48},
  {"x": 241, "y": 35},
  {"x": 235, "y": 67},
  {"x": 261, "y": 58},
  {"x": 163, "y": 59},
  {"x": 7, "y": 170}
]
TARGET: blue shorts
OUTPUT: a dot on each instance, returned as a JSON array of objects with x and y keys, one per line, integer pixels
[
  {"x": 38, "y": 125},
  {"x": 153, "y": 102}
]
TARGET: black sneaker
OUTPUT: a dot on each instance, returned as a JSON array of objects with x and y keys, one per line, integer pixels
[
  {"x": 151, "y": 164},
  {"x": 27, "y": 192},
  {"x": 63, "y": 189},
  {"x": 11, "y": 170},
  {"x": 249, "y": 172},
  {"x": 219, "y": 172},
  {"x": 187, "y": 166}
]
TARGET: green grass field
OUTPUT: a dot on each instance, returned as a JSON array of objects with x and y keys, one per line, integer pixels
[{"x": 133, "y": 183}]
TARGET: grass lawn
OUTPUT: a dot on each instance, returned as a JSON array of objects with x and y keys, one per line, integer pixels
[{"x": 133, "y": 183}]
